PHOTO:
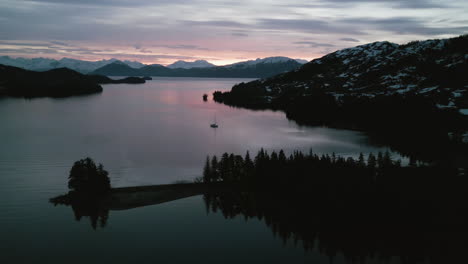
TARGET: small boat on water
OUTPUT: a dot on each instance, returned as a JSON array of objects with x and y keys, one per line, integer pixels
[{"x": 214, "y": 125}]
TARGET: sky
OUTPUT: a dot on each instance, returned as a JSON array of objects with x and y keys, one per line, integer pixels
[{"x": 222, "y": 32}]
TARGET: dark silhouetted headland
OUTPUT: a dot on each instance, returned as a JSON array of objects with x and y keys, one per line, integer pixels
[
  {"x": 405, "y": 96},
  {"x": 60, "y": 82},
  {"x": 106, "y": 80},
  {"x": 54, "y": 83}
]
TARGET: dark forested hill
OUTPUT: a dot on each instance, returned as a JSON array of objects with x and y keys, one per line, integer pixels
[
  {"x": 60, "y": 82},
  {"x": 54, "y": 83}
]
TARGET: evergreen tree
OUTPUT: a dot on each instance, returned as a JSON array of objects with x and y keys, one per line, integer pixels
[
  {"x": 350, "y": 161},
  {"x": 361, "y": 161},
  {"x": 247, "y": 160},
  {"x": 387, "y": 160},
  {"x": 380, "y": 161},
  {"x": 248, "y": 166},
  {"x": 224, "y": 167},
  {"x": 282, "y": 157},
  {"x": 86, "y": 177},
  {"x": 239, "y": 166},
  {"x": 274, "y": 157},
  {"x": 207, "y": 175},
  {"x": 371, "y": 161},
  {"x": 214, "y": 169},
  {"x": 398, "y": 163}
]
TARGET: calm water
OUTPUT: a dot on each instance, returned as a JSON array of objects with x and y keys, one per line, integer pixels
[{"x": 153, "y": 133}]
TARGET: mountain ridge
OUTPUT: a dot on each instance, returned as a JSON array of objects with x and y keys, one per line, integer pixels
[
  {"x": 190, "y": 64},
  {"x": 380, "y": 68},
  {"x": 259, "y": 68},
  {"x": 45, "y": 64},
  {"x": 83, "y": 66},
  {"x": 99, "y": 67}
]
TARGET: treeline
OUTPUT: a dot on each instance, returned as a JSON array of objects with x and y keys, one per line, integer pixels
[
  {"x": 277, "y": 167},
  {"x": 406, "y": 123},
  {"x": 365, "y": 182}
]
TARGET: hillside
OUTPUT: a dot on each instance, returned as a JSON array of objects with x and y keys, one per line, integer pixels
[
  {"x": 394, "y": 90},
  {"x": 60, "y": 82},
  {"x": 261, "y": 68},
  {"x": 433, "y": 68}
]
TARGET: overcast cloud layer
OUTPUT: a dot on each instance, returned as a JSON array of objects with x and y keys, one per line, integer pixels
[{"x": 161, "y": 31}]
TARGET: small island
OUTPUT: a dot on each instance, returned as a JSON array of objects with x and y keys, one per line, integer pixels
[
  {"x": 91, "y": 194},
  {"x": 106, "y": 80}
]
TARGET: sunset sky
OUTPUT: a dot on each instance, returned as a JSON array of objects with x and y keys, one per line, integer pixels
[{"x": 222, "y": 32}]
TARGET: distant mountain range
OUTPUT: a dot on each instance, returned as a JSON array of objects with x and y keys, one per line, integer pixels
[
  {"x": 259, "y": 68},
  {"x": 190, "y": 64},
  {"x": 199, "y": 68},
  {"x": 44, "y": 64}
]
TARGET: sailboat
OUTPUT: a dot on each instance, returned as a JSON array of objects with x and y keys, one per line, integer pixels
[{"x": 214, "y": 125}]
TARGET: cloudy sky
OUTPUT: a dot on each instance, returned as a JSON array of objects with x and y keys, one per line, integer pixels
[{"x": 162, "y": 31}]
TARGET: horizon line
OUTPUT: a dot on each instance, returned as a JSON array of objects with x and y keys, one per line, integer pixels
[{"x": 148, "y": 64}]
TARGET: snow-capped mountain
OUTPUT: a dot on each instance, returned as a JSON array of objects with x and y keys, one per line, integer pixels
[
  {"x": 134, "y": 64},
  {"x": 260, "y": 68},
  {"x": 180, "y": 64},
  {"x": 301, "y": 61},
  {"x": 267, "y": 60},
  {"x": 28, "y": 64},
  {"x": 43, "y": 64},
  {"x": 432, "y": 68},
  {"x": 268, "y": 66}
]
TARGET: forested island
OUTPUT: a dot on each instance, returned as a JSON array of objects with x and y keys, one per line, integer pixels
[{"x": 60, "y": 82}]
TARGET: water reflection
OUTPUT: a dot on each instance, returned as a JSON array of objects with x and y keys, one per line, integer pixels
[
  {"x": 356, "y": 235},
  {"x": 361, "y": 236},
  {"x": 93, "y": 208},
  {"x": 97, "y": 207}
]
